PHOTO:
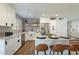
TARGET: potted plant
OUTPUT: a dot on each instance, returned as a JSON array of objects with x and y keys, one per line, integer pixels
[{"x": 49, "y": 35}]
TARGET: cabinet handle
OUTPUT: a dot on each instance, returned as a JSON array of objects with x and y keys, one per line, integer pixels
[
  {"x": 18, "y": 40},
  {"x": 11, "y": 24},
  {"x": 6, "y": 23},
  {"x": 5, "y": 42}
]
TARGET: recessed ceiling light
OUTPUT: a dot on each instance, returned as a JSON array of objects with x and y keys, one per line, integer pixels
[{"x": 56, "y": 14}]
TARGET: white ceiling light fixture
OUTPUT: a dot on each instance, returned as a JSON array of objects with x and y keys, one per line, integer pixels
[{"x": 56, "y": 15}]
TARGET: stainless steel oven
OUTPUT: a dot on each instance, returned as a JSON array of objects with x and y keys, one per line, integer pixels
[{"x": 8, "y": 33}]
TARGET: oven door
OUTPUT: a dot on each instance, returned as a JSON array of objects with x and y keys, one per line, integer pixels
[{"x": 8, "y": 33}]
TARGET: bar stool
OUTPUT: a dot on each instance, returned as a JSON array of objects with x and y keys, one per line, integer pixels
[
  {"x": 73, "y": 47},
  {"x": 57, "y": 48},
  {"x": 51, "y": 47},
  {"x": 42, "y": 47}
]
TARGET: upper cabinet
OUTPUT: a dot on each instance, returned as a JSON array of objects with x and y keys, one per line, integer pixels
[
  {"x": 7, "y": 15},
  {"x": 10, "y": 16},
  {"x": 18, "y": 23},
  {"x": 44, "y": 20},
  {"x": 3, "y": 14}
]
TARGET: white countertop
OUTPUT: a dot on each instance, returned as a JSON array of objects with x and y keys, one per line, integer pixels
[{"x": 7, "y": 37}]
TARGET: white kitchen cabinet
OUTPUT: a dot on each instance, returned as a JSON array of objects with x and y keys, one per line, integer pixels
[
  {"x": 61, "y": 27},
  {"x": 44, "y": 20},
  {"x": 11, "y": 16},
  {"x": 30, "y": 36},
  {"x": 17, "y": 42},
  {"x": 2, "y": 47},
  {"x": 2, "y": 14},
  {"x": 27, "y": 37},
  {"x": 10, "y": 45},
  {"x": 18, "y": 23},
  {"x": 7, "y": 15},
  {"x": 13, "y": 45}
]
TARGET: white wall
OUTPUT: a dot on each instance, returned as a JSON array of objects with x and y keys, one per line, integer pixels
[
  {"x": 74, "y": 28},
  {"x": 60, "y": 26}
]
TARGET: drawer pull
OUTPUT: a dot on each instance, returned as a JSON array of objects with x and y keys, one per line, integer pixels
[
  {"x": 18, "y": 40},
  {"x": 5, "y": 42}
]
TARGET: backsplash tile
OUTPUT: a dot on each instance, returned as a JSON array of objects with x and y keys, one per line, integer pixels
[{"x": 5, "y": 29}]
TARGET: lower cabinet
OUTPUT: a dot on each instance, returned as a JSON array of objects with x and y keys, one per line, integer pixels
[
  {"x": 2, "y": 47},
  {"x": 10, "y": 46},
  {"x": 17, "y": 43},
  {"x": 30, "y": 36}
]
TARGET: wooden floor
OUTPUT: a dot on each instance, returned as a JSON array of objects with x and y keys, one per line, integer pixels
[{"x": 27, "y": 49}]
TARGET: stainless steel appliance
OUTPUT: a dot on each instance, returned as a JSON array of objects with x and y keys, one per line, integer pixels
[{"x": 8, "y": 33}]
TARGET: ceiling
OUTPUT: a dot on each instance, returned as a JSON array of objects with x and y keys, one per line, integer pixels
[{"x": 37, "y": 10}]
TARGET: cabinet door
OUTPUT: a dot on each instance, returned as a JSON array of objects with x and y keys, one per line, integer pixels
[
  {"x": 2, "y": 47},
  {"x": 18, "y": 24},
  {"x": 9, "y": 46},
  {"x": 2, "y": 14},
  {"x": 7, "y": 14},
  {"x": 18, "y": 43},
  {"x": 12, "y": 45},
  {"x": 29, "y": 36},
  {"x": 10, "y": 15},
  {"x": 61, "y": 27}
]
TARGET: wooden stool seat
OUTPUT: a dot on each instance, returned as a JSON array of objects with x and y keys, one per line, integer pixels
[
  {"x": 57, "y": 48},
  {"x": 73, "y": 47},
  {"x": 42, "y": 47}
]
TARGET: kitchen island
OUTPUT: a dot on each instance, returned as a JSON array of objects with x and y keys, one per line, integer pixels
[
  {"x": 54, "y": 40},
  {"x": 49, "y": 42}
]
